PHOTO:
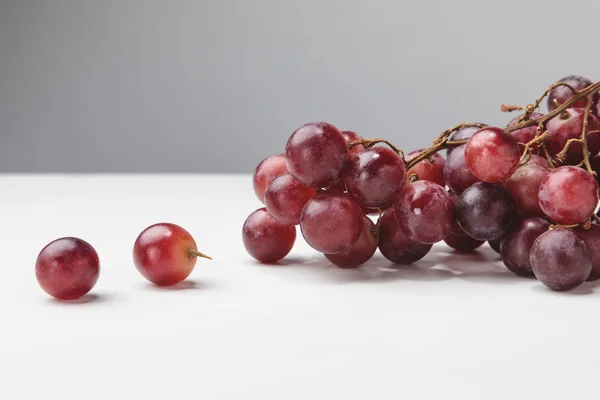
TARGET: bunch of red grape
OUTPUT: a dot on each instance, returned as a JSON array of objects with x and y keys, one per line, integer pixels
[{"x": 529, "y": 189}]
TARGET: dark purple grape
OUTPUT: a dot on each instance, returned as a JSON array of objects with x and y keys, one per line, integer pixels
[
  {"x": 457, "y": 175},
  {"x": 375, "y": 177},
  {"x": 394, "y": 243},
  {"x": 516, "y": 246},
  {"x": 568, "y": 195},
  {"x": 560, "y": 259},
  {"x": 331, "y": 222},
  {"x": 317, "y": 154},
  {"x": 425, "y": 211},
  {"x": 361, "y": 251},
  {"x": 524, "y": 186},
  {"x": 591, "y": 237},
  {"x": 495, "y": 244},
  {"x": 485, "y": 211},
  {"x": 458, "y": 239},
  {"x": 562, "y": 93}
]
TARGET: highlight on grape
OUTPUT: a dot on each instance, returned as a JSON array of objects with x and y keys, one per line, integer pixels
[{"x": 529, "y": 189}]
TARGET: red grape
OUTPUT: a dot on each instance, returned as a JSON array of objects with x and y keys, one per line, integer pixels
[
  {"x": 560, "y": 259},
  {"x": 524, "y": 186},
  {"x": 458, "y": 239},
  {"x": 457, "y": 175},
  {"x": 569, "y": 125},
  {"x": 485, "y": 211},
  {"x": 425, "y": 211},
  {"x": 265, "y": 239},
  {"x": 317, "y": 154},
  {"x": 267, "y": 170},
  {"x": 568, "y": 195},
  {"x": 67, "y": 268},
  {"x": 286, "y": 197},
  {"x": 492, "y": 155},
  {"x": 525, "y": 135},
  {"x": 462, "y": 134},
  {"x": 375, "y": 177},
  {"x": 394, "y": 243},
  {"x": 537, "y": 160},
  {"x": 516, "y": 246},
  {"x": 591, "y": 237},
  {"x": 361, "y": 251},
  {"x": 331, "y": 222},
  {"x": 165, "y": 254},
  {"x": 562, "y": 93},
  {"x": 427, "y": 170},
  {"x": 352, "y": 136}
]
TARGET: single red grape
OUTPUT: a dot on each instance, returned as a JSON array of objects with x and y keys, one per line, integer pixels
[
  {"x": 569, "y": 125},
  {"x": 537, "y": 160},
  {"x": 375, "y": 177},
  {"x": 428, "y": 170},
  {"x": 457, "y": 175},
  {"x": 462, "y": 134},
  {"x": 165, "y": 254},
  {"x": 562, "y": 94},
  {"x": 492, "y": 155},
  {"x": 458, "y": 239},
  {"x": 425, "y": 211},
  {"x": 394, "y": 243},
  {"x": 67, "y": 268},
  {"x": 525, "y": 135},
  {"x": 524, "y": 186},
  {"x": 331, "y": 222},
  {"x": 286, "y": 197},
  {"x": 361, "y": 251},
  {"x": 485, "y": 211},
  {"x": 516, "y": 246},
  {"x": 560, "y": 259},
  {"x": 266, "y": 239},
  {"x": 568, "y": 195},
  {"x": 317, "y": 154},
  {"x": 591, "y": 237},
  {"x": 267, "y": 170},
  {"x": 352, "y": 136}
]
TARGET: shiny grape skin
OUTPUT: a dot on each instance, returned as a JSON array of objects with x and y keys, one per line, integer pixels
[
  {"x": 591, "y": 237},
  {"x": 375, "y": 177},
  {"x": 317, "y": 154},
  {"x": 67, "y": 268},
  {"x": 286, "y": 197},
  {"x": 569, "y": 125},
  {"x": 265, "y": 239},
  {"x": 427, "y": 170},
  {"x": 485, "y": 211},
  {"x": 352, "y": 136},
  {"x": 458, "y": 239},
  {"x": 524, "y": 186},
  {"x": 516, "y": 246},
  {"x": 492, "y": 155},
  {"x": 568, "y": 195},
  {"x": 425, "y": 211},
  {"x": 560, "y": 259},
  {"x": 267, "y": 170},
  {"x": 457, "y": 175},
  {"x": 462, "y": 134},
  {"x": 394, "y": 243},
  {"x": 525, "y": 135},
  {"x": 331, "y": 222},
  {"x": 161, "y": 254},
  {"x": 537, "y": 160},
  {"x": 361, "y": 251},
  {"x": 563, "y": 93}
]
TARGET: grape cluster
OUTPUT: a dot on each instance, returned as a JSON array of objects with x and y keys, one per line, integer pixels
[{"x": 529, "y": 189}]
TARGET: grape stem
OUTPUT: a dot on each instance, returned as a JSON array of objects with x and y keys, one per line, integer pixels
[
  {"x": 527, "y": 150},
  {"x": 193, "y": 253},
  {"x": 372, "y": 142}
]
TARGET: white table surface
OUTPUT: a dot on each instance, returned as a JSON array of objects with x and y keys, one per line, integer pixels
[{"x": 449, "y": 327}]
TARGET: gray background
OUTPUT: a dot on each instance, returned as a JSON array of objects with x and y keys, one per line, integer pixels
[{"x": 214, "y": 86}]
